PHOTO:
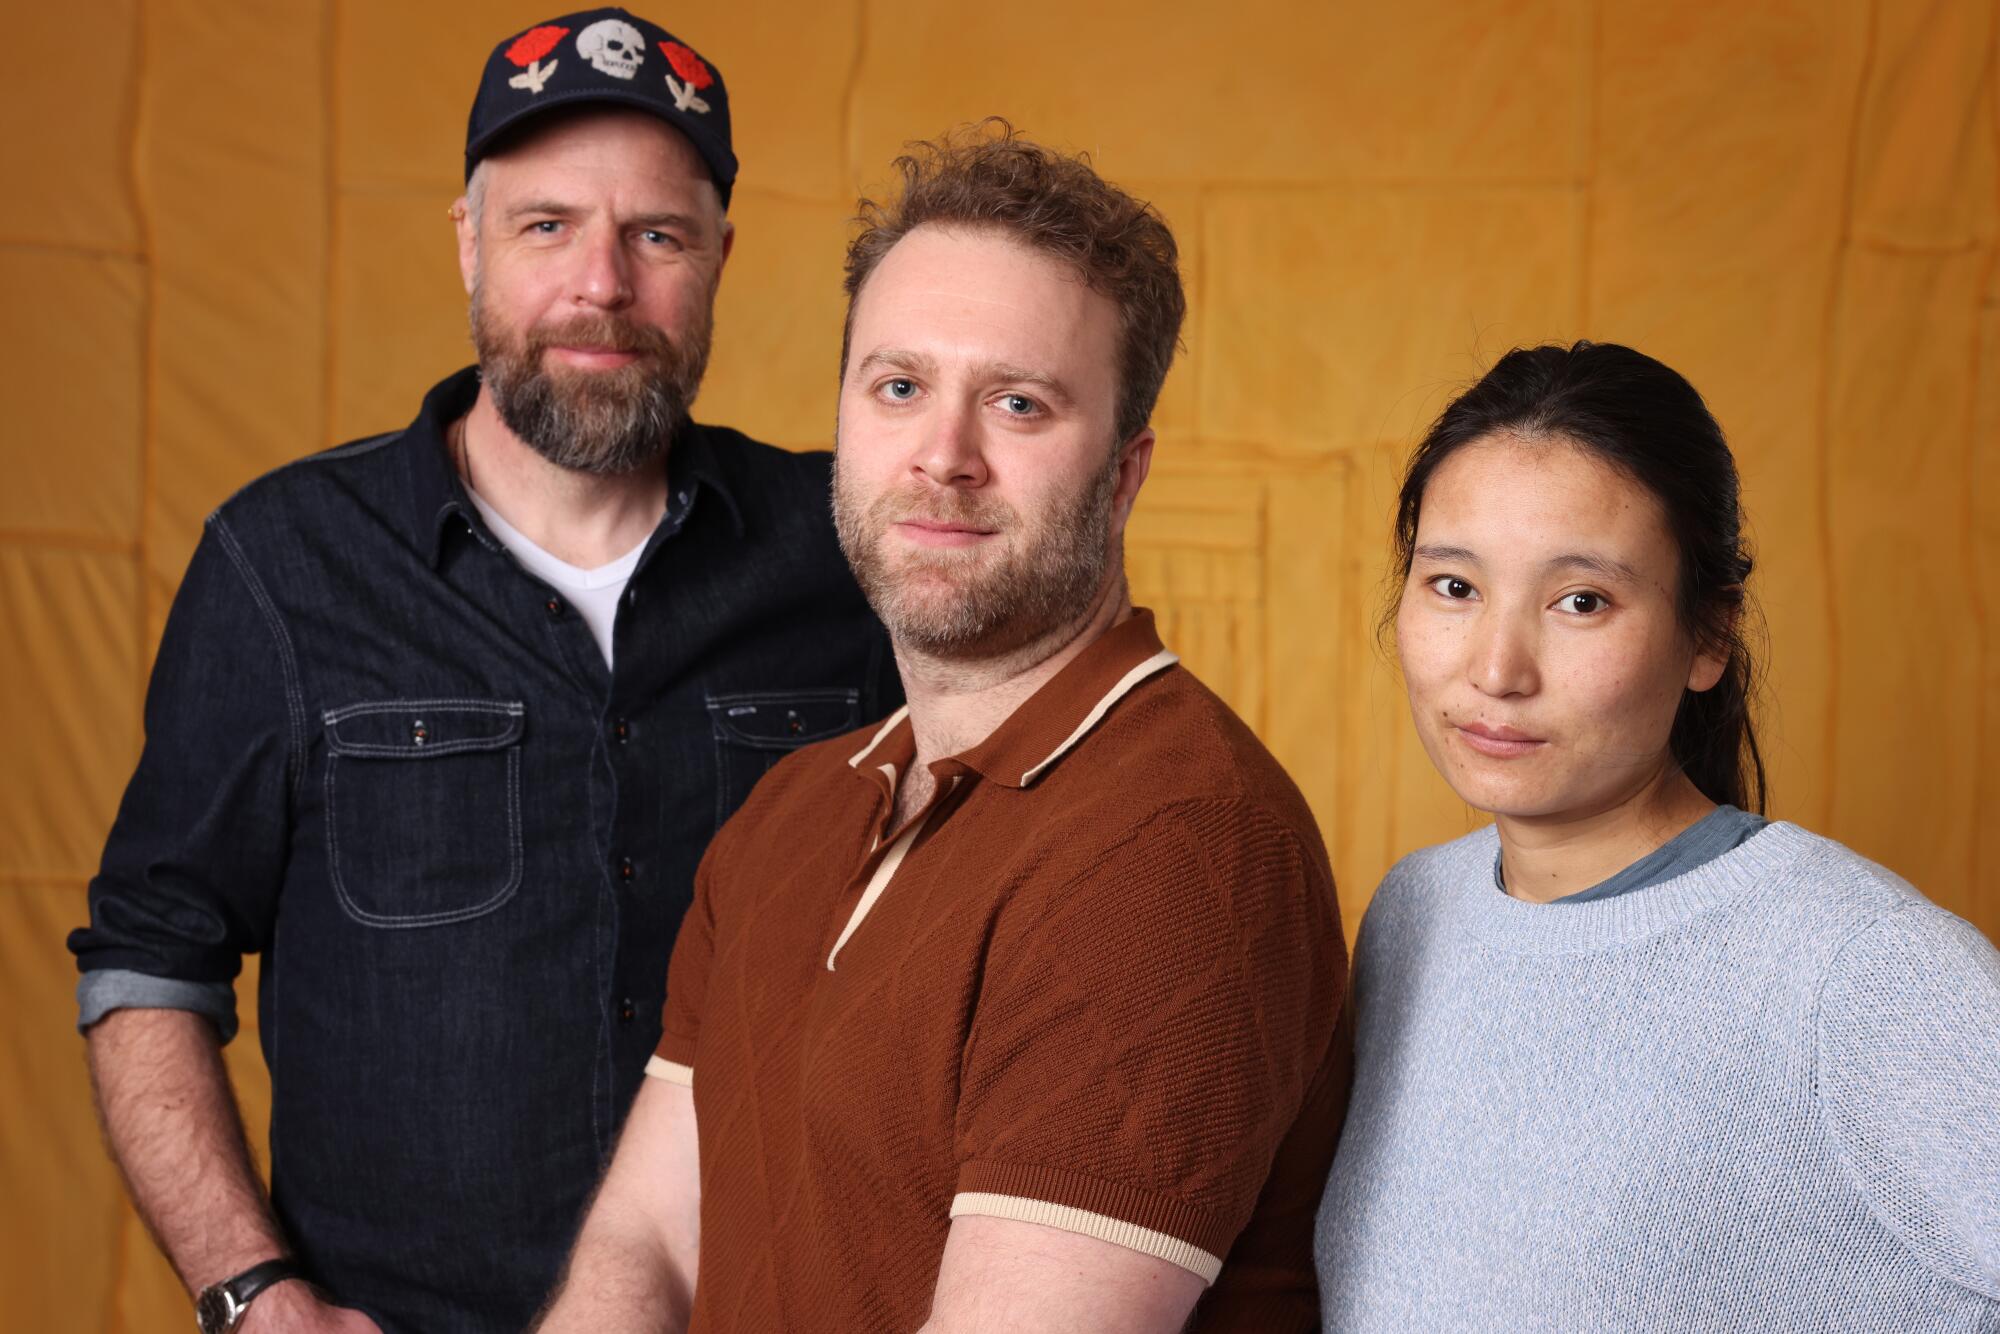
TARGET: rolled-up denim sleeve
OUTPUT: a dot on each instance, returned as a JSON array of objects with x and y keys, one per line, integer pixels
[
  {"x": 103, "y": 990},
  {"x": 192, "y": 868}
]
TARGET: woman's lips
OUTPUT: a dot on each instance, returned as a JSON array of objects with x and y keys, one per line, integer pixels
[{"x": 1502, "y": 743}]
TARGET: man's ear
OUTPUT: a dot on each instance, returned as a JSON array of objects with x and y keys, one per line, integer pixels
[
  {"x": 468, "y": 241},
  {"x": 1135, "y": 461}
]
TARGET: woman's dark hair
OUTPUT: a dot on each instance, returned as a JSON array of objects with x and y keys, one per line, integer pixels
[{"x": 1646, "y": 420}]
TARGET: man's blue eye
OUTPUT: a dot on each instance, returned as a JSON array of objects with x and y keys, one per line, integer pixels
[
  {"x": 901, "y": 388},
  {"x": 1018, "y": 404}
]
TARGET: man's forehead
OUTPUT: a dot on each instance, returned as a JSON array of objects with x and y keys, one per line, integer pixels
[
  {"x": 942, "y": 285},
  {"x": 975, "y": 252}
]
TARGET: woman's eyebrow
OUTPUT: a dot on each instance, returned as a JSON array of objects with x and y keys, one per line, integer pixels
[
  {"x": 1589, "y": 562},
  {"x": 1435, "y": 551}
]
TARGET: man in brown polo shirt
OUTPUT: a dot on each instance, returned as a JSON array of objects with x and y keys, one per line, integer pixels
[{"x": 1019, "y": 1011}]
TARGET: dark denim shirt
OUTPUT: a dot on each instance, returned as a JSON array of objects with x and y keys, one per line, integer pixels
[{"x": 385, "y": 757}]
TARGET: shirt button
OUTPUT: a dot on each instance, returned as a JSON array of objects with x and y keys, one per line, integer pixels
[
  {"x": 625, "y": 869},
  {"x": 553, "y": 606},
  {"x": 622, "y": 730},
  {"x": 626, "y": 1011}
]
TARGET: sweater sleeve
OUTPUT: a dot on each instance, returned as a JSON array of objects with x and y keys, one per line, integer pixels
[{"x": 1909, "y": 1083}]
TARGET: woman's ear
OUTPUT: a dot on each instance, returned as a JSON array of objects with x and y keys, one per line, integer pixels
[{"x": 1711, "y": 660}]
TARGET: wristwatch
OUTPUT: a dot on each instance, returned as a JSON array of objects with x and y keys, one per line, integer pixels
[{"x": 220, "y": 1307}]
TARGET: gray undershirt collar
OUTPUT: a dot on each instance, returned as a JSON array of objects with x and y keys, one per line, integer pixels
[{"x": 1702, "y": 842}]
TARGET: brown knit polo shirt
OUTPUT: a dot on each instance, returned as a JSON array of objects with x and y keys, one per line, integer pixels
[{"x": 1093, "y": 985}]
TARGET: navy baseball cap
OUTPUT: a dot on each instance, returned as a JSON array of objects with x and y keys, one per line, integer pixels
[{"x": 603, "y": 55}]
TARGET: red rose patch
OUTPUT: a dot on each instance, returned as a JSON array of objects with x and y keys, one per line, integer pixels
[
  {"x": 693, "y": 71},
  {"x": 535, "y": 43}
]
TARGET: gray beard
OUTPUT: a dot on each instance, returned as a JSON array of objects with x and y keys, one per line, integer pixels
[
  {"x": 605, "y": 423},
  {"x": 587, "y": 432}
]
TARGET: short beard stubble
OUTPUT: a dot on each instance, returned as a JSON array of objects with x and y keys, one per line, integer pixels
[
  {"x": 971, "y": 602},
  {"x": 604, "y": 423}
]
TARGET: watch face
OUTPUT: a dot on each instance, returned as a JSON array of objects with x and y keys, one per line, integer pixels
[{"x": 212, "y": 1310}]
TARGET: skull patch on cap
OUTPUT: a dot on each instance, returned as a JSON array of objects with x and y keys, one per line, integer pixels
[
  {"x": 613, "y": 46},
  {"x": 527, "y": 52}
]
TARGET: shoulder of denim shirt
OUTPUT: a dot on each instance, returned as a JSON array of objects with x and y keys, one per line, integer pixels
[
  {"x": 764, "y": 486},
  {"x": 402, "y": 480}
]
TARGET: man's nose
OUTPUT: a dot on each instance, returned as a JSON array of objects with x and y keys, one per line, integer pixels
[
  {"x": 603, "y": 276},
  {"x": 951, "y": 453}
]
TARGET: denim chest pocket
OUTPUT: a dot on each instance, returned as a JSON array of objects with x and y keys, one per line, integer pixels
[
  {"x": 423, "y": 809},
  {"x": 756, "y": 729}
]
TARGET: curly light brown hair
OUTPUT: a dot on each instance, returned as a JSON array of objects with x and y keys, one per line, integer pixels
[{"x": 988, "y": 175}]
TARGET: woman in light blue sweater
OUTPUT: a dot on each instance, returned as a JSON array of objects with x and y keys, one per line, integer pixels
[{"x": 1631, "y": 1058}]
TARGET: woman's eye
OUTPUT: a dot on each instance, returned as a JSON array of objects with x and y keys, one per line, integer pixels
[
  {"x": 1582, "y": 604},
  {"x": 1451, "y": 586},
  {"x": 901, "y": 390}
]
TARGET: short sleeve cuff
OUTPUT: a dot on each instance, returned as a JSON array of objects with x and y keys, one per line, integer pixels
[
  {"x": 672, "y": 1046},
  {"x": 1161, "y": 1226},
  {"x": 672, "y": 1071},
  {"x": 101, "y": 991}
]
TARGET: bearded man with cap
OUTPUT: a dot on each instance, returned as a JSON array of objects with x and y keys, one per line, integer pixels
[{"x": 441, "y": 723}]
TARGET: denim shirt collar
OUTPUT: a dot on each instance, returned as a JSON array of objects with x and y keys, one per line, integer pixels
[{"x": 437, "y": 495}]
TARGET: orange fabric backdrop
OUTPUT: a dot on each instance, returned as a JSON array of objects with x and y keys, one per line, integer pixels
[{"x": 226, "y": 246}]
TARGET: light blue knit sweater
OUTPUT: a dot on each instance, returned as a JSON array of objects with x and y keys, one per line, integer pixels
[{"x": 1764, "y": 1095}]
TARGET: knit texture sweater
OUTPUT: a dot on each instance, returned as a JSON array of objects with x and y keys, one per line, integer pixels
[{"x": 1763, "y": 1095}]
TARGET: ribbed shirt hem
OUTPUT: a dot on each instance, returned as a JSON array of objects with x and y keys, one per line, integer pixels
[
  {"x": 671, "y": 1071},
  {"x": 674, "y": 1049},
  {"x": 1157, "y": 1225}
]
